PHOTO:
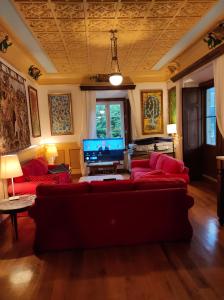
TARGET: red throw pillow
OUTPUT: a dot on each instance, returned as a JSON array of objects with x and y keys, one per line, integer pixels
[
  {"x": 169, "y": 164},
  {"x": 153, "y": 158},
  {"x": 49, "y": 178},
  {"x": 44, "y": 163},
  {"x": 34, "y": 167}
]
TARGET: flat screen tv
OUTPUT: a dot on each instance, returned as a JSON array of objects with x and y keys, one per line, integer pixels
[{"x": 103, "y": 150}]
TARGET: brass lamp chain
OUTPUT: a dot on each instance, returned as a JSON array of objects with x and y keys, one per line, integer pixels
[{"x": 114, "y": 50}]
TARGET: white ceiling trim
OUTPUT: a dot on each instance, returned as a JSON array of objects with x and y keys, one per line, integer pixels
[
  {"x": 208, "y": 20},
  {"x": 11, "y": 17}
]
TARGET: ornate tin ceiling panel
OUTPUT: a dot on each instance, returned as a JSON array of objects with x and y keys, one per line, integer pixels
[{"x": 75, "y": 33}]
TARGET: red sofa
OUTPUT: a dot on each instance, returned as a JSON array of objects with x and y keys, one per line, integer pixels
[
  {"x": 122, "y": 212},
  {"x": 159, "y": 166},
  {"x": 36, "y": 171}
]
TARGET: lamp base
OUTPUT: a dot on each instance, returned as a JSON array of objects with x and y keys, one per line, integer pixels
[{"x": 13, "y": 198}]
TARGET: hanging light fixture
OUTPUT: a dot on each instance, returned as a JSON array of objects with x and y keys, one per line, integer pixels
[{"x": 115, "y": 77}]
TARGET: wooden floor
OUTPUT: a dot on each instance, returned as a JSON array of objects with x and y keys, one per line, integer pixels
[{"x": 154, "y": 271}]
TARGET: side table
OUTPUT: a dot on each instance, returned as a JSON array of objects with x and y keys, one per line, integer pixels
[{"x": 12, "y": 207}]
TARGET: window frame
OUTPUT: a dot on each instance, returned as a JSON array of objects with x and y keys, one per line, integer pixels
[
  {"x": 206, "y": 117},
  {"x": 108, "y": 120},
  {"x": 126, "y": 116}
]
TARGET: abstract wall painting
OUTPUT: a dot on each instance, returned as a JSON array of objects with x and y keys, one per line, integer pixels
[
  {"x": 60, "y": 110},
  {"x": 152, "y": 111}
]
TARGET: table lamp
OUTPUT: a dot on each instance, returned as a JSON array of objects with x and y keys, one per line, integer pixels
[
  {"x": 51, "y": 153},
  {"x": 172, "y": 130},
  {"x": 11, "y": 168}
]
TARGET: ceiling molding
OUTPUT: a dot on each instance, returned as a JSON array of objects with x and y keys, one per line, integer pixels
[
  {"x": 75, "y": 34},
  {"x": 13, "y": 20},
  {"x": 200, "y": 63},
  {"x": 107, "y": 87},
  {"x": 217, "y": 12}
]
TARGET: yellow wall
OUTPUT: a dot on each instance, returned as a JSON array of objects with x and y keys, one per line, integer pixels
[{"x": 68, "y": 153}]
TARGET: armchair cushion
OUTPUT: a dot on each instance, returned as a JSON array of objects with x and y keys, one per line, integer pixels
[
  {"x": 153, "y": 159},
  {"x": 169, "y": 164}
]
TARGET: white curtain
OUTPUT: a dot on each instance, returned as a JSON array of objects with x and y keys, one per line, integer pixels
[
  {"x": 218, "y": 70},
  {"x": 134, "y": 116},
  {"x": 87, "y": 121}
]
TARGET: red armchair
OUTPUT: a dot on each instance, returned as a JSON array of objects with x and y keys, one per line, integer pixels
[{"x": 36, "y": 171}]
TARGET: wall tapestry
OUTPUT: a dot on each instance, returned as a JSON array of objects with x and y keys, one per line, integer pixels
[
  {"x": 14, "y": 124},
  {"x": 172, "y": 105},
  {"x": 60, "y": 110},
  {"x": 34, "y": 111},
  {"x": 152, "y": 111}
]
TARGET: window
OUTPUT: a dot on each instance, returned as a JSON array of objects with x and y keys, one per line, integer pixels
[
  {"x": 109, "y": 119},
  {"x": 210, "y": 117}
]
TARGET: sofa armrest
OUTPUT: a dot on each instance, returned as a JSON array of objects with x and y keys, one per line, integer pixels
[{"x": 140, "y": 163}]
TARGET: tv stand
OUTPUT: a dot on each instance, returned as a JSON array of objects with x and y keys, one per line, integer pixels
[{"x": 103, "y": 167}]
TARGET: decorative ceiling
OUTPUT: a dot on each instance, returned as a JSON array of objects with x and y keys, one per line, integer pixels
[{"x": 75, "y": 34}]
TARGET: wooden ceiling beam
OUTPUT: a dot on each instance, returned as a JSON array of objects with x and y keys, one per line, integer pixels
[{"x": 200, "y": 63}]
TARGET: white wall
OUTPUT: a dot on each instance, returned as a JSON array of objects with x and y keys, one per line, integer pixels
[{"x": 137, "y": 96}]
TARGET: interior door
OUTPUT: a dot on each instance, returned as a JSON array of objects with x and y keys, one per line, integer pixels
[
  {"x": 192, "y": 130},
  {"x": 210, "y": 132}
]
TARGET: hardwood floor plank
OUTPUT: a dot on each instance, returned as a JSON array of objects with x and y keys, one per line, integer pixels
[{"x": 158, "y": 271}]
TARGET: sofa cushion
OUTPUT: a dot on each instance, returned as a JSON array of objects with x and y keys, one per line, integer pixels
[
  {"x": 34, "y": 167},
  {"x": 63, "y": 189},
  {"x": 169, "y": 164},
  {"x": 153, "y": 159},
  {"x": 139, "y": 169},
  {"x": 159, "y": 183},
  {"x": 111, "y": 186},
  {"x": 150, "y": 174},
  {"x": 43, "y": 178},
  {"x": 24, "y": 188},
  {"x": 18, "y": 179}
]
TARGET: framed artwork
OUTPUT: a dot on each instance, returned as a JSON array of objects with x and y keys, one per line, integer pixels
[
  {"x": 172, "y": 106},
  {"x": 152, "y": 111},
  {"x": 14, "y": 120},
  {"x": 60, "y": 110},
  {"x": 34, "y": 111}
]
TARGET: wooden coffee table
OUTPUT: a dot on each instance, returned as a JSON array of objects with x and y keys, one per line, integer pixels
[
  {"x": 12, "y": 207},
  {"x": 101, "y": 178}
]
